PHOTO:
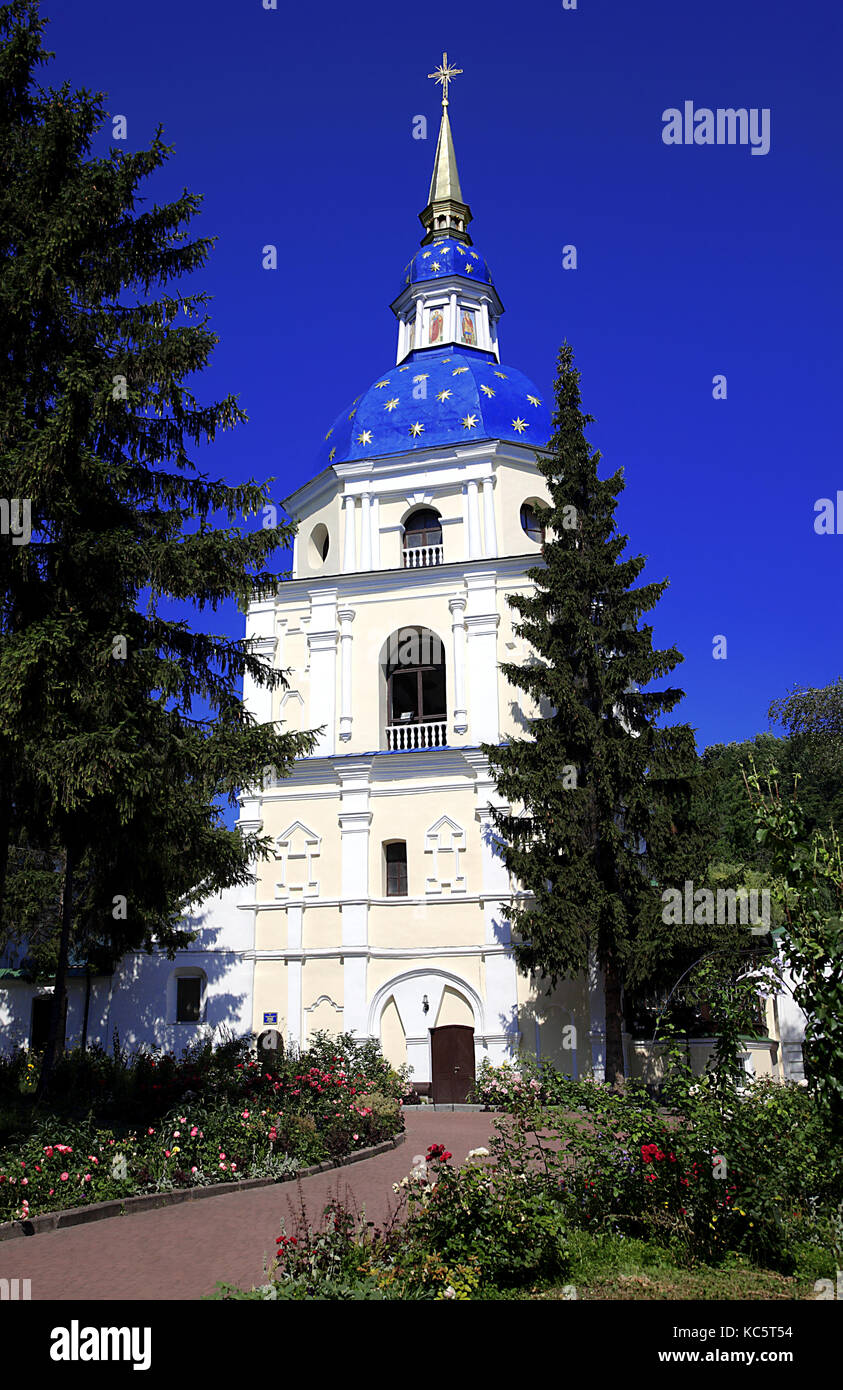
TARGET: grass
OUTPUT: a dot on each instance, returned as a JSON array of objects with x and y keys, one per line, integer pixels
[{"x": 608, "y": 1268}]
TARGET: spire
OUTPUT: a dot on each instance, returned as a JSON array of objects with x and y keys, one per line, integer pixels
[
  {"x": 445, "y": 182},
  {"x": 446, "y": 214}
]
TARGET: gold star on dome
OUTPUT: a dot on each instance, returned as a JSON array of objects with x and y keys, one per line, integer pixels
[
  {"x": 458, "y": 371},
  {"x": 503, "y": 375},
  {"x": 331, "y": 455},
  {"x": 445, "y": 73},
  {"x": 422, "y": 376},
  {"x": 401, "y": 369},
  {"x": 434, "y": 265},
  {"x": 467, "y": 268},
  {"x": 488, "y": 390},
  {"x": 534, "y": 400},
  {"x": 474, "y": 254},
  {"x": 330, "y": 432},
  {"x": 425, "y": 255},
  {"x": 417, "y": 428},
  {"x": 390, "y": 405},
  {"x": 446, "y": 359},
  {"x": 443, "y": 395},
  {"x": 519, "y": 425},
  {"x": 364, "y": 437},
  {"x": 379, "y": 384},
  {"x": 352, "y": 413},
  {"x": 469, "y": 421}
]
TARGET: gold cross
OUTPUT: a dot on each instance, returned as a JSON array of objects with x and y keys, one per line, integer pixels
[{"x": 445, "y": 73}]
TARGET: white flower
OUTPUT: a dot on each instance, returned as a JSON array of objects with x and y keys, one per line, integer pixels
[
  {"x": 450, "y": 1292},
  {"x": 478, "y": 1153}
]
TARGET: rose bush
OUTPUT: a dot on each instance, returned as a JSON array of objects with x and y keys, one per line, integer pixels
[{"x": 215, "y": 1115}]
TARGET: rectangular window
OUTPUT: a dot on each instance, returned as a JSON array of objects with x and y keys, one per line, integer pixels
[
  {"x": 188, "y": 998},
  {"x": 40, "y": 1023},
  {"x": 396, "y": 869}
]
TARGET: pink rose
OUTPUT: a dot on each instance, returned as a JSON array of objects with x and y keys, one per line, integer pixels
[{"x": 63, "y": 1177}]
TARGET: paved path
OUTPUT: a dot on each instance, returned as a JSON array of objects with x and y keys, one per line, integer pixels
[{"x": 180, "y": 1252}]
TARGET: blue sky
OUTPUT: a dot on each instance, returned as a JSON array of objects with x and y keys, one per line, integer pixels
[{"x": 693, "y": 261}]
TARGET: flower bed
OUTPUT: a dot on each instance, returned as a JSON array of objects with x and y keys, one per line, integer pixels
[{"x": 212, "y": 1117}]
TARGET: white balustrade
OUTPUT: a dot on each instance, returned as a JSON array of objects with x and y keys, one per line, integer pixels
[
  {"x": 419, "y": 556},
  {"x": 433, "y": 734}
]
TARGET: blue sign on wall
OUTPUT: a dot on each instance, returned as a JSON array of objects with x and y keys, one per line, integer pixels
[{"x": 270, "y": 1018}]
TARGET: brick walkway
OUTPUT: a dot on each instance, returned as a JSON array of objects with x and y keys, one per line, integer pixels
[{"x": 180, "y": 1252}]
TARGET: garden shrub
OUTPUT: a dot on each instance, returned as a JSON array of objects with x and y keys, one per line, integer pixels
[{"x": 214, "y": 1115}]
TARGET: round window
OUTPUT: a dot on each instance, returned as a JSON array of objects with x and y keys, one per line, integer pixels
[
  {"x": 319, "y": 546},
  {"x": 530, "y": 524}
]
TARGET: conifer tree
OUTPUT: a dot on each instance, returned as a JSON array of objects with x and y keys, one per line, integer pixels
[
  {"x": 599, "y": 795},
  {"x": 101, "y": 740}
]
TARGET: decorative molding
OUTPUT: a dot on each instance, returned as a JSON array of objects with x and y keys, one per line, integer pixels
[
  {"x": 287, "y": 849},
  {"x": 445, "y": 837},
  {"x": 323, "y": 999}
]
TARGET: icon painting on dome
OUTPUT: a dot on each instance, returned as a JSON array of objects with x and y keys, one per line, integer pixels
[
  {"x": 469, "y": 331},
  {"x": 436, "y": 326}
]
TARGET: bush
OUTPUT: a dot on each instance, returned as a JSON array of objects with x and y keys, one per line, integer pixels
[
  {"x": 494, "y": 1226},
  {"x": 754, "y": 1172},
  {"x": 215, "y": 1115}
]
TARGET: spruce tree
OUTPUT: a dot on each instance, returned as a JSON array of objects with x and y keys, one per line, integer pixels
[
  {"x": 599, "y": 795},
  {"x": 116, "y": 722}
]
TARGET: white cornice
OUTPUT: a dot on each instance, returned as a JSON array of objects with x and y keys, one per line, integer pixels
[
  {"x": 361, "y": 583},
  {"x": 408, "y": 953}
]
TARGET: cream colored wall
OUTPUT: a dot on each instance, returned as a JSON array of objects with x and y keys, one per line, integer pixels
[
  {"x": 564, "y": 1008},
  {"x": 322, "y": 992},
  {"x": 408, "y": 816},
  {"x": 382, "y": 971},
  {"x": 453, "y": 1009},
  {"x": 328, "y": 514},
  {"x": 321, "y": 927},
  {"x": 515, "y": 484},
  {"x": 436, "y": 925},
  {"x": 270, "y": 993}
]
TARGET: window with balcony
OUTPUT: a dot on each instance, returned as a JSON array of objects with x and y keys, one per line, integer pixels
[
  {"x": 395, "y": 859},
  {"x": 416, "y": 709},
  {"x": 423, "y": 539}
]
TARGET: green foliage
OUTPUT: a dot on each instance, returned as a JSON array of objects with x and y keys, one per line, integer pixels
[
  {"x": 599, "y": 795},
  {"x": 509, "y": 1229},
  {"x": 807, "y": 879},
  {"x": 106, "y": 762},
  {"x": 215, "y": 1115},
  {"x": 723, "y": 1170}
]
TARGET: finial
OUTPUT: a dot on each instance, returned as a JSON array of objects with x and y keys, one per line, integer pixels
[{"x": 444, "y": 74}]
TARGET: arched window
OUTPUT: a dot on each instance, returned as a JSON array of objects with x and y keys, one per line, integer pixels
[
  {"x": 530, "y": 524},
  {"x": 416, "y": 712},
  {"x": 422, "y": 538}
]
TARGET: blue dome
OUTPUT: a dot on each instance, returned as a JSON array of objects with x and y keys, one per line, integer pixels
[
  {"x": 446, "y": 257},
  {"x": 438, "y": 396}
]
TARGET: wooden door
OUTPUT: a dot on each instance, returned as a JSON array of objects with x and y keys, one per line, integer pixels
[{"x": 452, "y": 1058}]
